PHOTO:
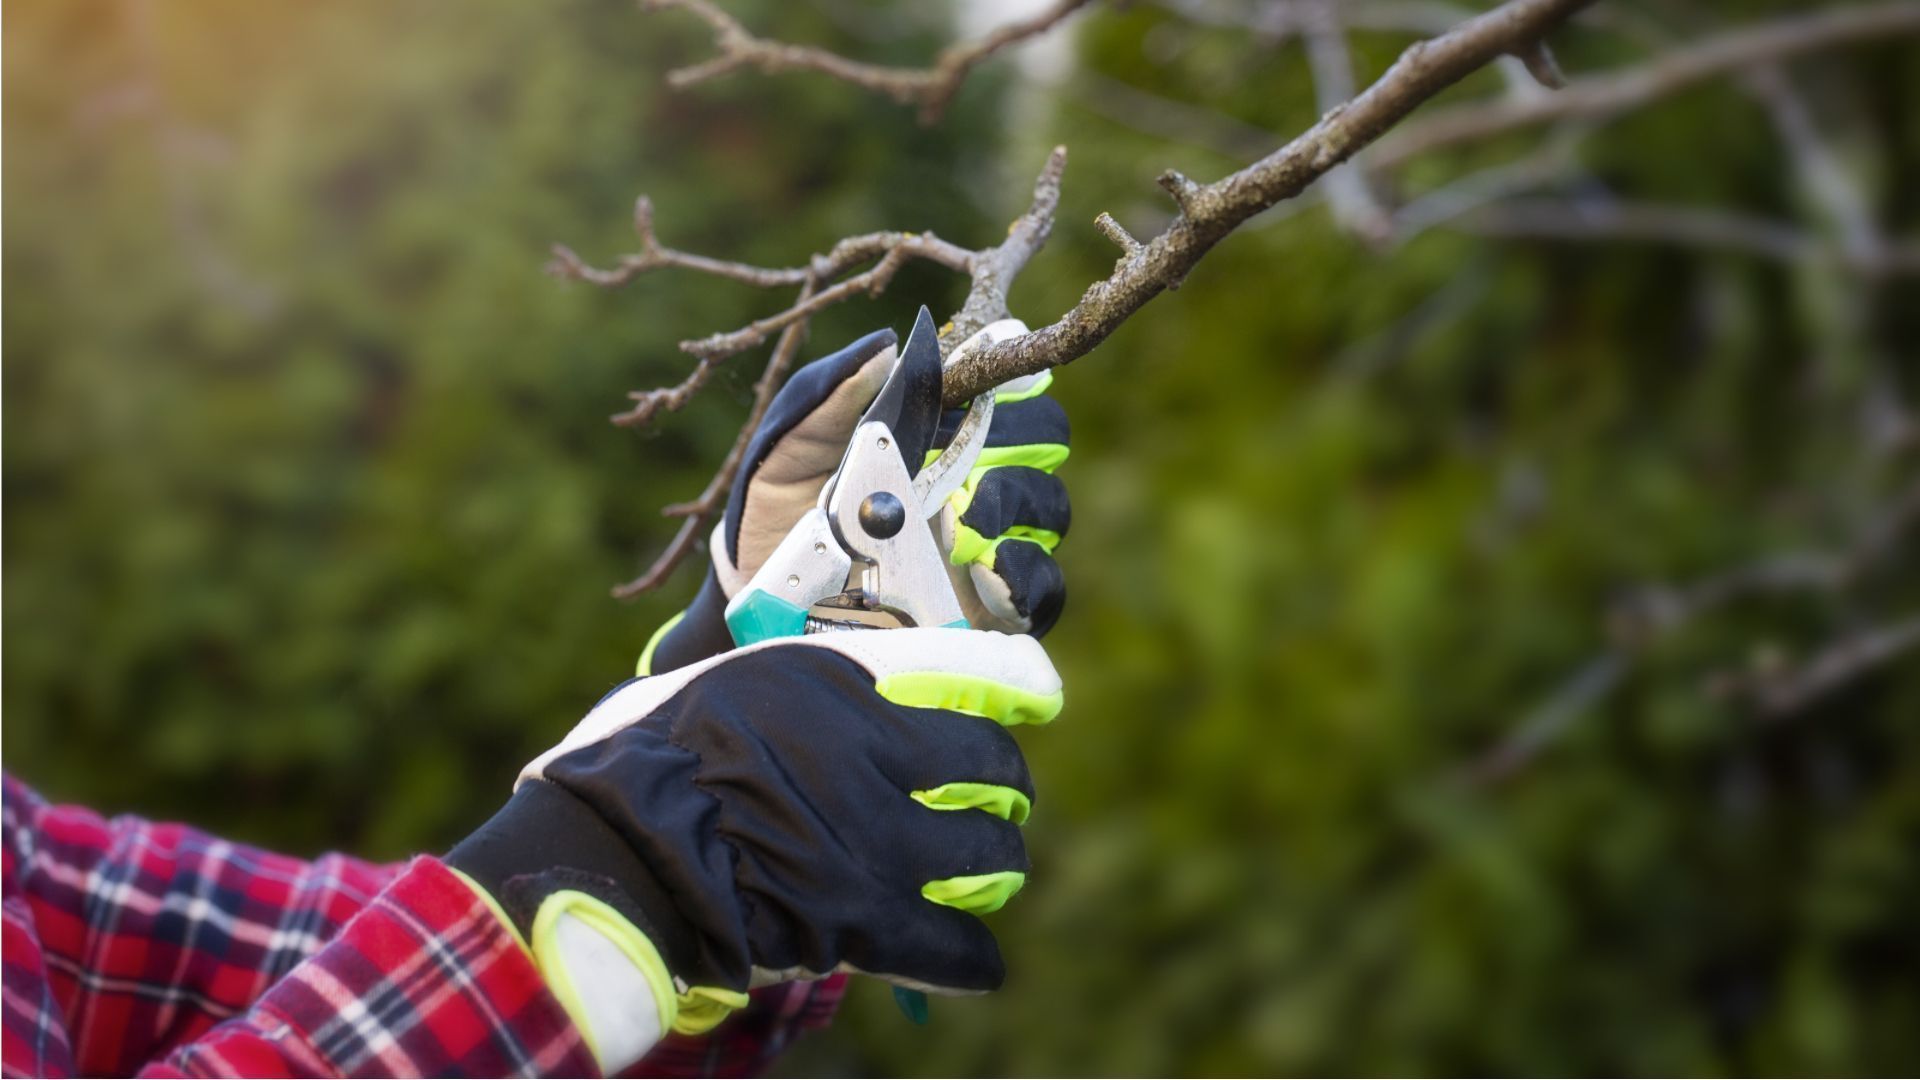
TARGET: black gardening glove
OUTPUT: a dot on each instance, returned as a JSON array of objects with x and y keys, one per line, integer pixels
[{"x": 837, "y": 802}]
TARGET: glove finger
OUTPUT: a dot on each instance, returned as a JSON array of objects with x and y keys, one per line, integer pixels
[
  {"x": 941, "y": 749},
  {"x": 799, "y": 443},
  {"x": 959, "y": 843},
  {"x": 969, "y": 860},
  {"x": 1019, "y": 586},
  {"x": 1032, "y": 432},
  {"x": 937, "y": 948},
  {"x": 1012, "y": 500}
]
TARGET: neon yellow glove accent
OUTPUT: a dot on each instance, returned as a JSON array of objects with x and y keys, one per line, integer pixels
[
  {"x": 645, "y": 666},
  {"x": 979, "y": 894},
  {"x": 609, "y": 923},
  {"x": 1002, "y": 802},
  {"x": 703, "y": 1007},
  {"x": 1040, "y": 385},
  {"x": 974, "y": 695},
  {"x": 970, "y": 547},
  {"x": 499, "y": 913},
  {"x": 1043, "y": 456}
]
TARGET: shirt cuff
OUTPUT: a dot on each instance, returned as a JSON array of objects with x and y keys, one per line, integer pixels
[{"x": 425, "y": 981}]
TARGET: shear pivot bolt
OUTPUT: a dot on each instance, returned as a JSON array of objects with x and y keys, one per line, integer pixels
[{"x": 882, "y": 515}]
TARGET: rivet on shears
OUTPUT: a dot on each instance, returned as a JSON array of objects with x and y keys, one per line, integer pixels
[{"x": 793, "y": 581}]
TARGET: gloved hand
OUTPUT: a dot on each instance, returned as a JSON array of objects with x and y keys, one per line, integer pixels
[
  {"x": 837, "y": 802},
  {"x": 1000, "y": 528}
]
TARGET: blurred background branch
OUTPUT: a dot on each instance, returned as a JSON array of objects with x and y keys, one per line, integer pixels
[{"x": 929, "y": 88}]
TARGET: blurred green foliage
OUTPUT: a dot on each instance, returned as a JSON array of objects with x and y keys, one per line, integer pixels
[{"x": 311, "y": 512}]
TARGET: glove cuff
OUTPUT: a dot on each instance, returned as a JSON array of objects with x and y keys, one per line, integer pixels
[
  {"x": 605, "y": 974},
  {"x": 547, "y": 841}
]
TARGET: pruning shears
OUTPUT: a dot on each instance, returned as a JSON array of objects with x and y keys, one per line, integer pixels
[{"x": 865, "y": 557}]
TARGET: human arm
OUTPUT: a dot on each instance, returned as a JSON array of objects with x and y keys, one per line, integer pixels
[{"x": 128, "y": 941}]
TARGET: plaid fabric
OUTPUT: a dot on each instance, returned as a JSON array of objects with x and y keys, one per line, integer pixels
[{"x": 135, "y": 946}]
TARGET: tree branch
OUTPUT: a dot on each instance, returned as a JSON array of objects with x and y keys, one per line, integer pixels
[
  {"x": 1349, "y": 191},
  {"x": 930, "y": 88},
  {"x": 1656, "y": 612},
  {"x": 1818, "y": 168},
  {"x": 1604, "y": 96},
  {"x": 1777, "y": 691},
  {"x": 653, "y": 256},
  {"x": 1696, "y": 226},
  {"x": 1209, "y": 212},
  {"x": 992, "y": 271}
]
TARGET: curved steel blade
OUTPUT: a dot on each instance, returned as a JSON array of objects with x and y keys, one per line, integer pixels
[
  {"x": 909, "y": 403},
  {"x": 944, "y": 475}
]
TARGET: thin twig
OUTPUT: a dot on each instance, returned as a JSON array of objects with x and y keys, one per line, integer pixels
[
  {"x": 655, "y": 256},
  {"x": 1777, "y": 691},
  {"x": 930, "y": 88},
  {"x": 700, "y": 512},
  {"x": 1817, "y": 166},
  {"x": 1552, "y": 160},
  {"x": 1165, "y": 118},
  {"x": 992, "y": 271},
  {"x": 1692, "y": 226},
  {"x": 1349, "y": 192},
  {"x": 1651, "y": 614}
]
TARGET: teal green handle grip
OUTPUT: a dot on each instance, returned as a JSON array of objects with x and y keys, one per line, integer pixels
[
  {"x": 762, "y": 616},
  {"x": 913, "y": 1003}
]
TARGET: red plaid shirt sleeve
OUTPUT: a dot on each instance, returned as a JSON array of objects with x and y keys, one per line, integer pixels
[{"x": 135, "y": 946}]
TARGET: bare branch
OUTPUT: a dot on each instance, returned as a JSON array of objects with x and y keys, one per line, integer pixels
[
  {"x": 1604, "y": 96},
  {"x": 1695, "y": 226},
  {"x": 1349, "y": 192},
  {"x": 1551, "y": 161},
  {"x": 1779, "y": 691},
  {"x": 700, "y": 512},
  {"x": 1274, "y": 21},
  {"x": 1818, "y": 168},
  {"x": 1585, "y": 688},
  {"x": 653, "y": 256},
  {"x": 993, "y": 269},
  {"x": 930, "y": 88},
  {"x": 1209, "y": 212},
  {"x": 1117, "y": 233},
  {"x": 871, "y": 282},
  {"x": 1165, "y": 118},
  {"x": 1655, "y": 612},
  {"x": 1539, "y": 61}
]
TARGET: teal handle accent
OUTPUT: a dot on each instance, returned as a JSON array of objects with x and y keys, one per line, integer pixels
[
  {"x": 762, "y": 616},
  {"x": 912, "y": 1003}
]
